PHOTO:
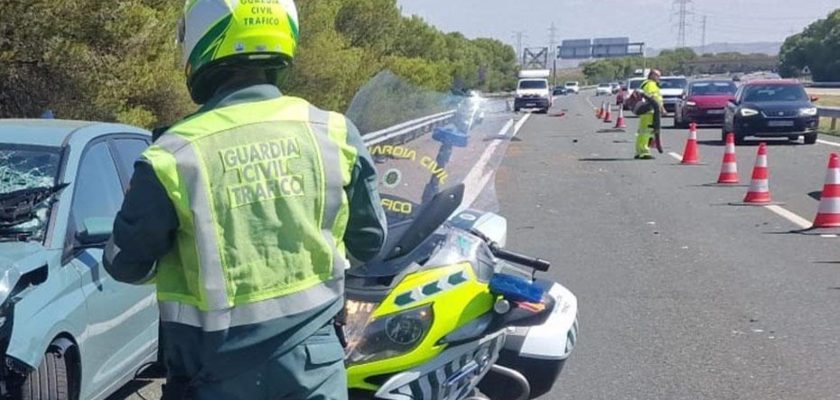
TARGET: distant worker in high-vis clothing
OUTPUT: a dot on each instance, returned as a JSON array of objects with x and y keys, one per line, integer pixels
[
  {"x": 244, "y": 215},
  {"x": 644, "y": 135}
]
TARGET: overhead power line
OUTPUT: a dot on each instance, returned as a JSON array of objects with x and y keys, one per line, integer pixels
[{"x": 683, "y": 12}]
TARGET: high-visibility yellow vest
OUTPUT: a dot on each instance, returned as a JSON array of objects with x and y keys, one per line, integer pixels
[{"x": 258, "y": 189}]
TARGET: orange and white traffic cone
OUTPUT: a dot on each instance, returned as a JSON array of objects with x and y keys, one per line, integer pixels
[
  {"x": 600, "y": 113},
  {"x": 619, "y": 123},
  {"x": 608, "y": 114},
  {"x": 690, "y": 154},
  {"x": 828, "y": 214},
  {"x": 729, "y": 167},
  {"x": 759, "y": 191}
]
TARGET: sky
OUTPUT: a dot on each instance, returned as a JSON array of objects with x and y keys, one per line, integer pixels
[{"x": 733, "y": 21}]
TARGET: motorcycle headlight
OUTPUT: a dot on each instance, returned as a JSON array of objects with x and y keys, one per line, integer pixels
[
  {"x": 748, "y": 112},
  {"x": 384, "y": 337},
  {"x": 808, "y": 112}
]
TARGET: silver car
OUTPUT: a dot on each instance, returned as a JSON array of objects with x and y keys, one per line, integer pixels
[{"x": 67, "y": 329}]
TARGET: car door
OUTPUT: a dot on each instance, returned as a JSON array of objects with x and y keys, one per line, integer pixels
[{"x": 122, "y": 319}]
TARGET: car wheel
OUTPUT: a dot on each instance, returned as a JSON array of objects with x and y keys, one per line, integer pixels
[
  {"x": 515, "y": 109},
  {"x": 723, "y": 134},
  {"x": 50, "y": 381},
  {"x": 678, "y": 122},
  {"x": 739, "y": 139},
  {"x": 810, "y": 138}
]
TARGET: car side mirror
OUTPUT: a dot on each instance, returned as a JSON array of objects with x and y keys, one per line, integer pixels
[
  {"x": 95, "y": 231},
  {"x": 814, "y": 99}
]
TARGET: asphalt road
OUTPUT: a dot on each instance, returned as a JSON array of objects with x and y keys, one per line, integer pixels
[{"x": 681, "y": 295}]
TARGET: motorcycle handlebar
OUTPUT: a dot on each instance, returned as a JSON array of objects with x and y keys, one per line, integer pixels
[{"x": 528, "y": 261}]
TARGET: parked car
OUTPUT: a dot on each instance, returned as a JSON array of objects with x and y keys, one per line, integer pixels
[
  {"x": 704, "y": 102},
  {"x": 573, "y": 87},
  {"x": 672, "y": 89},
  {"x": 632, "y": 85},
  {"x": 604, "y": 89},
  {"x": 69, "y": 331},
  {"x": 771, "y": 108}
]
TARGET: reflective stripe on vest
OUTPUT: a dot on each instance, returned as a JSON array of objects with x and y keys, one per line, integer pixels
[{"x": 259, "y": 193}]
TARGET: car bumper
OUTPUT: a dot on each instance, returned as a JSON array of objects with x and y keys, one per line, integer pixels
[
  {"x": 536, "y": 102},
  {"x": 704, "y": 115},
  {"x": 767, "y": 127},
  {"x": 670, "y": 104}
]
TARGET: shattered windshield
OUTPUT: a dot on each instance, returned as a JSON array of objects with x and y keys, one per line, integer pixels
[{"x": 27, "y": 180}]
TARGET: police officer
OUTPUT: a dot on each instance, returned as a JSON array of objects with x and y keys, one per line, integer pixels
[
  {"x": 647, "y": 120},
  {"x": 244, "y": 215}
]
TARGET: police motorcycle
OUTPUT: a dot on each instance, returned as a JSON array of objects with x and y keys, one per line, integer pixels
[{"x": 445, "y": 311}]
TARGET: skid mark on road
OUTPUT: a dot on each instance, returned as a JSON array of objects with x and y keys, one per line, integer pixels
[{"x": 790, "y": 216}]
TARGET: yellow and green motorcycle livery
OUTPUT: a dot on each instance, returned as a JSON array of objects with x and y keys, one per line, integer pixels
[{"x": 445, "y": 312}]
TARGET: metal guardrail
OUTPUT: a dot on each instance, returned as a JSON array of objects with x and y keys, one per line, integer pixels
[
  {"x": 830, "y": 112},
  {"x": 409, "y": 130},
  {"x": 826, "y": 85}
]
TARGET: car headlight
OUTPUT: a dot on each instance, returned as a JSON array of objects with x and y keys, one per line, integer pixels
[
  {"x": 690, "y": 103},
  {"x": 748, "y": 112},
  {"x": 808, "y": 112},
  {"x": 384, "y": 337},
  {"x": 519, "y": 95}
]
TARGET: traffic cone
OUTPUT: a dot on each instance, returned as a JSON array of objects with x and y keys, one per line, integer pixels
[
  {"x": 759, "y": 191},
  {"x": 828, "y": 214},
  {"x": 729, "y": 167},
  {"x": 690, "y": 154},
  {"x": 619, "y": 123},
  {"x": 600, "y": 114},
  {"x": 608, "y": 114}
]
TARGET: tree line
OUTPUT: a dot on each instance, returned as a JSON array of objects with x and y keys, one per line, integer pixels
[
  {"x": 817, "y": 48},
  {"x": 682, "y": 61},
  {"x": 118, "y": 61}
]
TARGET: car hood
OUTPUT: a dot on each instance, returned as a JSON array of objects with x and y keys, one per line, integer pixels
[
  {"x": 771, "y": 106},
  {"x": 671, "y": 92},
  {"x": 711, "y": 101},
  {"x": 16, "y": 259}
]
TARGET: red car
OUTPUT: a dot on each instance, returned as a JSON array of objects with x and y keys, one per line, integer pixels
[{"x": 704, "y": 102}]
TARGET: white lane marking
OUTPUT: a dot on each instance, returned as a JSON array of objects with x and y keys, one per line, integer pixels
[
  {"x": 474, "y": 183},
  {"x": 790, "y": 216},
  {"x": 828, "y": 143},
  {"x": 678, "y": 157},
  {"x": 518, "y": 125}
]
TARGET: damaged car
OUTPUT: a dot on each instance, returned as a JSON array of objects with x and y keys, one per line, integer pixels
[{"x": 67, "y": 329}]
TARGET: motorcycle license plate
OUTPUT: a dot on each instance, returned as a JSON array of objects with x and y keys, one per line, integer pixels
[{"x": 779, "y": 123}]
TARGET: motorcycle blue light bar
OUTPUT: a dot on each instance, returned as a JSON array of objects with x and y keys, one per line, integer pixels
[{"x": 515, "y": 289}]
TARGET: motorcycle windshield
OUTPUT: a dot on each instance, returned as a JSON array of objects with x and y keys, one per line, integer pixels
[{"x": 424, "y": 142}]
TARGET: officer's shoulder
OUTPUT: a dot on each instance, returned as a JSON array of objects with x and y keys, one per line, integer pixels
[{"x": 320, "y": 116}]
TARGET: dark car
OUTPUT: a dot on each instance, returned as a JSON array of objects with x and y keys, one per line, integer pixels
[
  {"x": 704, "y": 102},
  {"x": 772, "y": 108},
  {"x": 559, "y": 91}
]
